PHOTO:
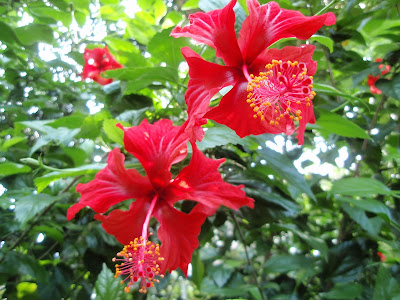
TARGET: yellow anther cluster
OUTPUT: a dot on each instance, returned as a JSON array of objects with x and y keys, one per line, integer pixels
[
  {"x": 139, "y": 262},
  {"x": 280, "y": 92}
]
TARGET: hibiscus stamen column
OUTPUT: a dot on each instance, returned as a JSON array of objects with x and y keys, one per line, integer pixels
[
  {"x": 282, "y": 91},
  {"x": 140, "y": 258}
]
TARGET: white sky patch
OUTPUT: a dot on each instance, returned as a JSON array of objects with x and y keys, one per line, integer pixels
[
  {"x": 317, "y": 167},
  {"x": 93, "y": 106},
  {"x": 40, "y": 238},
  {"x": 131, "y": 7},
  {"x": 2, "y": 189},
  {"x": 46, "y": 52},
  {"x": 343, "y": 155},
  {"x": 316, "y": 253},
  {"x": 374, "y": 131},
  {"x": 26, "y": 19}
]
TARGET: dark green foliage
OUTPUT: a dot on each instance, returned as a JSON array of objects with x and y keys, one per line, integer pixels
[{"x": 322, "y": 211}]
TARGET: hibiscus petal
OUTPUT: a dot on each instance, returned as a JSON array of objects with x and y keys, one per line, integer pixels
[
  {"x": 200, "y": 181},
  {"x": 126, "y": 225},
  {"x": 111, "y": 185},
  {"x": 101, "y": 80},
  {"x": 215, "y": 29},
  {"x": 308, "y": 117},
  {"x": 300, "y": 54},
  {"x": 234, "y": 112},
  {"x": 178, "y": 235},
  {"x": 269, "y": 23},
  {"x": 206, "y": 79},
  {"x": 157, "y": 147}
]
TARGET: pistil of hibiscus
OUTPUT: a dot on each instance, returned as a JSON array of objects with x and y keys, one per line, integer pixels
[
  {"x": 282, "y": 91},
  {"x": 140, "y": 259}
]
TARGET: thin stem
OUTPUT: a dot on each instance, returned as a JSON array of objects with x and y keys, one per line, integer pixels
[
  {"x": 33, "y": 224},
  {"x": 147, "y": 220},
  {"x": 325, "y": 8},
  {"x": 371, "y": 126},
  {"x": 254, "y": 273}
]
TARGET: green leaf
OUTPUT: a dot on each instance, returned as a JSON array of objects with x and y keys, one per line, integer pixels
[
  {"x": 386, "y": 287},
  {"x": 72, "y": 121},
  {"x": 53, "y": 230},
  {"x": 370, "y": 205},
  {"x": 155, "y": 8},
  {"x": 77, "y": 155},
  {"x": 359, "y": 187},
  {"x": 29, "y": 206},
  {"x": 7, "y": 33},
  {"x": 286, "y": 263},
  {"x": 336, "y": 124},
  {"x": 27, "y": 290},
  {"x": 197, "y": 269},
  {"x": 344, "y": 291},
  {"x": 371, "y": 225},
  {"x": 324, "y": 40},
  {"x": 50, "y": 12},
  {"x": 44, "y": 181},
  {"x": 112, "y": 12},
  {"x": 33, "y": 33},
  {"x": 92, "y": 125},
  {"x": 113, "y": 132},
  {"x": 11, "y": 142},
  {"x": 281, "y": 165},
  {"x": 220, "y": 274},
  {"x": 390, "y": 88},
  {"x": 141, "y": 77},
  {"x": 316, "y": 243},
  {"x": 330, "y": 90},
  {"x": 107, "y": 287},
  {"x": 10, "y": 168},
  {"x": 140, "y": 30},
  {"x": 16, "y": 263},
  {"x": 291, "y": 208},
  {"x": 166, "y": 49},
  {"x": 219, "y": 136}
]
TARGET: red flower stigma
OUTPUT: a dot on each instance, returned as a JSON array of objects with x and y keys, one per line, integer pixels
[
  {"x": 281, "y": 91},
  {"x": 139, "y": 262}
]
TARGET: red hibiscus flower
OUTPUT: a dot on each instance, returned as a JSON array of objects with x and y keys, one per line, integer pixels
[
  {"x": 372, "y": 79},
  {"x": 272, "y": 88},
  {"x": 157, "y": 147},
  {"x": 97, "y": 61},
  {"x": 381, "y": 256}
]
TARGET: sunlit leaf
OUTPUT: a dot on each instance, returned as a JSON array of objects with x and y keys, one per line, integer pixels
[{"x": 107, "y": 287}]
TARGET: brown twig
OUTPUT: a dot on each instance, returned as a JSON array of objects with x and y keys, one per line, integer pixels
[
  {"x": 254, "y": 273},
  {"x": 371, "y": 126}
]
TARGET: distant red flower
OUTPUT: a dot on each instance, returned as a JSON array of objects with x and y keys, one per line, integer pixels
[
  {"x": 157, "y": 147},
  {"x": 271, "y": 88},
  {"x": 381, "y": 256},
  {"x": 97, "y": 61},
  {"x": 372, "y": 79}
]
